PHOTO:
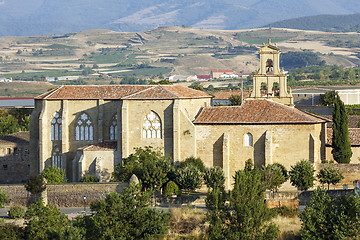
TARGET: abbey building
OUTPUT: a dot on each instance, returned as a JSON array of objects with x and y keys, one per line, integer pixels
[{"x": 89, "y": 129}]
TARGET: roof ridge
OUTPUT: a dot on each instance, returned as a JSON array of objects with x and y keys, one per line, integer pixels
[
  {"x": 135, "y": 93},
  {"x": 53, "y": 91},
  {"x": 169, "y": 91}
]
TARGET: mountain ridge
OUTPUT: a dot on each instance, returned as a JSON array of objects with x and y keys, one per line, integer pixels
[{"x": 41, "y": 17}]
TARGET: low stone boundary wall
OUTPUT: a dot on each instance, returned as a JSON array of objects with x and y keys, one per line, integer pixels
[
  {"x": 67, "y": 194},
  {"x": 293, "y": 203}
]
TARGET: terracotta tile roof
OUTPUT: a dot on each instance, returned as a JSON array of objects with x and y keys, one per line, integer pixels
[
  {"x": 255, "y": 112},
  {"x": 354, "y": 135},
  {"x": 353, "y": 121},
  {"x": 112, "y": 92},
  {"x": 16, "y": 138},
  {"x": 203, "y": 76},
  {"x": 105, "y": 146}
]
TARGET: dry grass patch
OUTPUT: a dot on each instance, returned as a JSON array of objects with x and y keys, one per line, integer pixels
[
  {"x": 187, "y": 223},
  {"x": 289, "y": 226}
]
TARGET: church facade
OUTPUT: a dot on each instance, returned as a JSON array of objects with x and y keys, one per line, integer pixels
[{"x": 89, "y": 129}]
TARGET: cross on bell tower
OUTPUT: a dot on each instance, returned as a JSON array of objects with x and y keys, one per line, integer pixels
[{"x": 270, "y": 82}]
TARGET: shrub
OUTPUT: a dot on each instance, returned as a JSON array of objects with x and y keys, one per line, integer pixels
[
  {"x": 214, "y": 177},
  {"x": 4, "y": 198},
  {"x": 35, "y": 184},
  {"x": 286, "y": 211},
  {"x": 16, "y": 212},
  {"x": 302, "y": 175},
  {"x": 90, "y": 178},
  {"x": 171, "y": 188},
  {"x": 188, "y": 178},
  {"x": 54, "y": 174},
  {"x": 196, "y": 162}
]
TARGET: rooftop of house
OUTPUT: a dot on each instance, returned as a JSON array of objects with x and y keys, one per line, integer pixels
[
  {"x": 354, "y": 135},
  {"x": 15, "y": 138},
  {"x": 256, "y": 112},
  {"x": 119, "y": 92}
]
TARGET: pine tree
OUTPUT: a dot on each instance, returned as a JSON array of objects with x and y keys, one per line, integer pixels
[{"x": 340, "y": 142}]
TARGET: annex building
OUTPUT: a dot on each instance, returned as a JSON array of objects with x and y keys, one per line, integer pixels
[{"x": 89, "y": 129}]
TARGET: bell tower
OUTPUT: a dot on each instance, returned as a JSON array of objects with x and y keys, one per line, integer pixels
[{"x": 270, "y": 82}]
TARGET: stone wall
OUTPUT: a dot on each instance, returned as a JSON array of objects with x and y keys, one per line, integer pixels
[
  {"x": 66, "y": 195},
  {"x": 351, "y": 172}
]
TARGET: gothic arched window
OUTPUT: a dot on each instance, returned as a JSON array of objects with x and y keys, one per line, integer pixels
[
  {"x": 113, "y": 128},
  {"x": 248, "y": 140},
  {"x": 56, "y": 127},
  {"x": 84, "y": 129},
  {"x": 152, "y": 126},
  {"x": 56, "y": 159}
]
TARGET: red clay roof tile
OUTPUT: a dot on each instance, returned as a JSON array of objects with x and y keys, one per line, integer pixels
[
  {"x": 354, "y": 135},
  {"x": 84, "y": 92},
  {"x": 255, "y": 112}
]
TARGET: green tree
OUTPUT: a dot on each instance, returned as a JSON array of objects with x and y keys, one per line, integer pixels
[
  {"x": 125, "y": 216},
  {"x": 54, "y": 174},
  {"x": 196, "y": 162},
  {"x": 330, "y": 175},
  {"x": 302, "y": 175},
  {"x": 328, "y": 99},
  {"x": 196, "y": 86},
  {"x": 340, "y": 142},
  {"x": 8, "y": 125},
  {"x": 4, "y": 198},
  {"x": 35, "y": 184},
  {"x": 274, "y": 175},
  {"x": 188, "y": 177},
  {"x": 235, "y": 100},
  {"x": 45, "y": 222},
  {"x": 10, "y": 231},
  {"x": 245, "y": 216},
  {"x": 150, "y": 166},
  {"x": 327, "y": 218},
  {"x": 214, "y": 177}
]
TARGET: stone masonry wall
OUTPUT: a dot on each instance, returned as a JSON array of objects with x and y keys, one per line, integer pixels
[{"x": 65, "y": 195}]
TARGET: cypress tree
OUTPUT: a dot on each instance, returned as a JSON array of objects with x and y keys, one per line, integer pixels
[{"x": 341, "y": 143}]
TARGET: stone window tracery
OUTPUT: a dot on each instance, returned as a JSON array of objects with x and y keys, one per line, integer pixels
[
  {"x": 56, "y": 127},
  {"x": 248, "y": 140},
  {"x": 84, "y": 129},
  {"x": 152, "y": 126},
  {"x": 56, "y": 158},
  {"x": 113, "y": 128}
]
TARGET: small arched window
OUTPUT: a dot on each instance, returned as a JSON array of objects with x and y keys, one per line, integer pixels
[
  {"x": 152, "y": 126},
  {"x": 113, "y": 128},
  {"x": 248, "y": 139},
  {"x": 56, "y": 159},
  {"x": 56, "y": 127},
  {"x": 84, "y": 129}
]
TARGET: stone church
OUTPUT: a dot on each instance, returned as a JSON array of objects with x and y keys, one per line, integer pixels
[{"x": 89, "y": 129}]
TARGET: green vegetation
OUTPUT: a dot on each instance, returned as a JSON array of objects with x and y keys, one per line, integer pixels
[
  {"x": 302, "y": 175},
  {"x": 274, "y": 175},
  {"x": 188, "y": 177},
  {"x": 171, "y": 188},
  {"x": 90, "y": 178},
  {"x": 306, "y": 58},
  {"x": 214, "y": 177},
  {"x": 125, "y": 216},
  {"x": 235, "y": 100},
  {"x": 328, "y": 99},
  {"x": 340, "y": 142},
  {"x": 242, "y": 214},
  {"x": 327, "y": 218},
  {"x": 16, "y": 212},
  {"x": 54, "y": 174},
  {"x": 4, "y": 198},
  {"x": 35, "y": 184},
  {"x": 329, "y": 175},
  {"x": 150, "y": 166}
]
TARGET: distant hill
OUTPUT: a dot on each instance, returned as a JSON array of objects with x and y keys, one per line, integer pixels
[
  {"x": 328, "y": 23},
  {"x": 42, "y": 17}
]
